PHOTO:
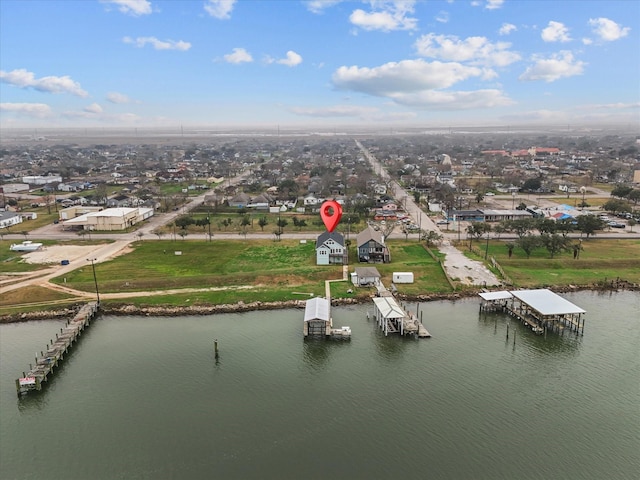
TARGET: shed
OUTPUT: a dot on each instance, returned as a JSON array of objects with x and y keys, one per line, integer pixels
[
  {"x": 402, "y": 277},
  {"x": 365, "y": 276}
]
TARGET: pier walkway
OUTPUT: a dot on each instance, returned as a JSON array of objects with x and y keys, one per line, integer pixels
[{"x": 56, "y": 350}]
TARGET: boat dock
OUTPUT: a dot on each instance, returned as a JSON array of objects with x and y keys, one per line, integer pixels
[
  {"x": 56, "y": 350},
  {"x": 391, "y": 317},
  {"x": 541, "y": 310}
]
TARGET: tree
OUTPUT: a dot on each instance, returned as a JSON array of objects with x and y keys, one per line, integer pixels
[
  {"x": 183, "y": 233},
  {"x": 546, "y": 225},
  {"x": 479, "y": 197},
  {"x": 416, "y": 197},
  {"x": 281, "y": 223},
  {"x": 262, "y": 222},
  {"x": 621, "y": 191},
  {"x": 478, "y": 229},
  {"x": 528, "y": 243},
  {"x": 522, "y": 226},
  {"x": 25, "y": 234},
  {"x": 159, "y": 233},
  {"x": 555, "y": 243},
  {"x": 140, "y": 235},
  {"x": 532, "y": 184},
  {"x": 184, "y": 221},
  {"x": 632, "y": 222},
  {"x": 614, "y": 206},
  {"x": 589, "y": 224},
  {"x": 510, "y": 246},
  {"x": 431, "y": 237},
  {"x": 48, "y": 199},
  {"x": 245, "y": 222},
  {"x": 634, "y": 196}
]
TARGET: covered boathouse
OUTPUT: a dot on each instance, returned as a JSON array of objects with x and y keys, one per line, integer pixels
[
  {"x": 317, "y": 317},
  {"x": 540, "y": 309}
]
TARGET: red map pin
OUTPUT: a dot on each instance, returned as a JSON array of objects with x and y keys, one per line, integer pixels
[{"x": 331, "y": 213}]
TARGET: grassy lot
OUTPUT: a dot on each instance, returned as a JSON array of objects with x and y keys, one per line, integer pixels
[
  {"x": 275, "y": 270},
  {"x": 31, "y": 294},
  {"x": 600, "y": 259},
  {"x": 12, "y": 261}
]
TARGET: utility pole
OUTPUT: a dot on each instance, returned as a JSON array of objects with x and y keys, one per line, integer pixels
[{"x": 95, "y": 279}]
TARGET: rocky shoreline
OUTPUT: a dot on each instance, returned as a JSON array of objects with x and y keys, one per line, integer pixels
[{"x": 176, "y": 311}]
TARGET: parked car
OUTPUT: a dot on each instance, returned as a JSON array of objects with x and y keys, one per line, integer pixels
[{"x": 616, "y": 225}]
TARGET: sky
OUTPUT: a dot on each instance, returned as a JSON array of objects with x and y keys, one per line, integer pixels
[{"x": 148, "y": 63}]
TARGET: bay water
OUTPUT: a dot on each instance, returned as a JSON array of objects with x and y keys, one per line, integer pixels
[{"x": 145, "y": 398}]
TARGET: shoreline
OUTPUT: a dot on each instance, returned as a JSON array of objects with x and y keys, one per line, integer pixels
[{"x": 242, "y": 307}]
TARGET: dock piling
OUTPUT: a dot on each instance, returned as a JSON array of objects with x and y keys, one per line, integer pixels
[{"x": 215, "y": 345}]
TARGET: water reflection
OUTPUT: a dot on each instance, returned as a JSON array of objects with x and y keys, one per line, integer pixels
[
  {"x": 32, "y": 402},
  {"x": 553, "y": 343},
  {"x": 391, "y": 346},
  {"x": 316, "y": 352}
]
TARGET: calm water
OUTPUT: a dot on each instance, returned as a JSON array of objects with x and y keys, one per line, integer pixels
[{"x": 144, "y": 398}]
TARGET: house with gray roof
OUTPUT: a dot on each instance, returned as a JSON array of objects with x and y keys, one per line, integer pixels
[
  {"x": 331, "y": 249},
  {"x": 371, "y": 247}
]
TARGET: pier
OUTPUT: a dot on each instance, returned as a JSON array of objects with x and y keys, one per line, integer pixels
[
  {"x": 56, "y": 350},
  {"x": 541, "y": 310}
]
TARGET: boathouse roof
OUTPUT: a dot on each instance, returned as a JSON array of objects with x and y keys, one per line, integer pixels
[
  {"x": 546, "y": 302},
  {"x": 502, "y": 295},
  {"x": 316, "y": 309},
  {"x": 388, "y": 307}
]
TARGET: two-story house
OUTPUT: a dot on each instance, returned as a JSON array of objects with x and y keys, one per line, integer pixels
[
  {"x": 371, "y": 247},
  {"x": 331, "y": 249}
]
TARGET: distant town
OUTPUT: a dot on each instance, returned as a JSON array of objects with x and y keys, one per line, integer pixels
[{"x": 454, "y": 174}]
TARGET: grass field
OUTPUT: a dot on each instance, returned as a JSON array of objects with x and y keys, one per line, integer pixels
[
  {"x": 271, "y": 271},
  {"x": 599, "y": 260}
]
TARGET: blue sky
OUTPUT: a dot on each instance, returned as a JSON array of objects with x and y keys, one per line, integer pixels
[{"x": 148, "y": 63}]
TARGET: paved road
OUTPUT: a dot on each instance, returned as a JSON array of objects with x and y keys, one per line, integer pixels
[{"x": 457, "y": 265}]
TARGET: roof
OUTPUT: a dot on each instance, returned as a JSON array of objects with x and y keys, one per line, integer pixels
[
  {"x": 316, "y": 309},
  {"x": 369, "y": 234},
  {"x": 388, "y": 307},
  {"x": 546, "y": 302},
  {"x": 502, "y": 295},
  {"x": 335, "y": 236},
  {"x": 367, "y": 272}
]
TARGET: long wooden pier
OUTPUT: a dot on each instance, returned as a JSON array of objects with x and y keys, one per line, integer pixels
[{"x": 56, "y": 350}]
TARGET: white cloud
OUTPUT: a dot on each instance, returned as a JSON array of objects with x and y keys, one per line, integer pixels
[
  {"x": 608, "y": 30},
  {"x": 39, "y": 110},
  {"x": 291, "y": 60},
  {"x": 494, "y": 4},
  {"x": 318, "y": 6},
  {"x": 613, "y": 106},
  {"x": 442, "y": 17},
  {"x": 405, "y": 76},
  {"x": 132, "y": 7},
  {"x": 559, "y": 65},
  {"x": 158, "y": 44},
  {"x": 587, "y": 41},
  {"x": 25, "y": 79},
  {"x": 115, "y": 97},
  {"x": 476, "y": 50},
  {"x": 238, "y": 55},
  {"x": 454, "y": 100},
  {"x": 93, "y": 108},
  {"x": 220, "y": 9},
  {"x": 507, "y": 28},
  {"x": 419, "y": 84},
  {"x": 555, "y": 32},
  {"x": 389, "y": 16}
]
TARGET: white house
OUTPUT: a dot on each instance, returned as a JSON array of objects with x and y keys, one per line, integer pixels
[
  {"x": 8, "y": 219},
  {"x": 331, "y": 249}
]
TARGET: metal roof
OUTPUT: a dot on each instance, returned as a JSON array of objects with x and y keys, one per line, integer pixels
[
  {"x": 546, "y": 302},
  {"x": 316, "y": 309},
  {"x": 502, "y": 295},
  {"x": 389, "y": 308}
]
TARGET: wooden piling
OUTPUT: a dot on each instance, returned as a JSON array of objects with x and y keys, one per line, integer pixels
[{"x": 215, "y": 345}]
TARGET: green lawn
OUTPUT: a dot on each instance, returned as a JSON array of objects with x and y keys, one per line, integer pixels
[{"x": 600, "y": 259}]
